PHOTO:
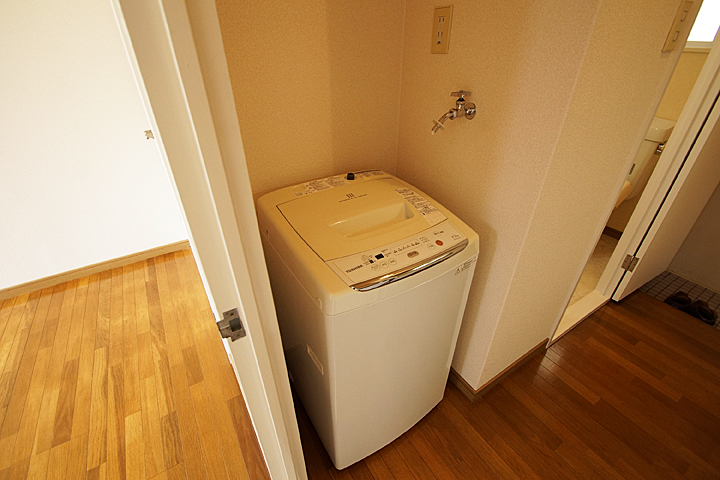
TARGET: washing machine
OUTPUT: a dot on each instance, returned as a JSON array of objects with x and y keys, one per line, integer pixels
[{"x": 370, "y": 278}]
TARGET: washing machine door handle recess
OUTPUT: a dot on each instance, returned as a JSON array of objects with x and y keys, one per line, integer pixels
[{"x": 409, "y": 270}]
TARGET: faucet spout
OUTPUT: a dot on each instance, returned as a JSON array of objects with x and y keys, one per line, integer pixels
[{"x": 441, "y": 123}]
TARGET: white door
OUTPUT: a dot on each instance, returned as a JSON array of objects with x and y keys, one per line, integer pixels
[
  {"x": 179, "y": 65},
  {"x": 684, "y": 178}
]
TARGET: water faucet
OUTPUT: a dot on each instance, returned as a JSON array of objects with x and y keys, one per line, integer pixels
[{"x": 462, "y": 109}]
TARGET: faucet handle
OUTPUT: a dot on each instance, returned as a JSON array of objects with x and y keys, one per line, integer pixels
[{"x": 462, "y": 94}]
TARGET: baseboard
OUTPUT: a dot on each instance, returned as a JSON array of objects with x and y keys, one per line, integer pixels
[
  {"x": 473, "y": 394},
  {"x": 611, "y": 232},
  {"x": 81, "y": 272}
]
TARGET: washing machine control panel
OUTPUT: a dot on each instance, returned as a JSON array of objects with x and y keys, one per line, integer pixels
[{"x": 384, "y": 261}]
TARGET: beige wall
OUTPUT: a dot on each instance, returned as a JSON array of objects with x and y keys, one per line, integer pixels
[
  {"x": 699, "y": 255},
  {"x": 316, "y": 85},
  {"x": 673, "y": 101},
  {"x": 536, "y": 171},
  {"x": 521, "y": 63},
  {"x": 587, "y": 170},
  {"x": 681, "y": 84}
]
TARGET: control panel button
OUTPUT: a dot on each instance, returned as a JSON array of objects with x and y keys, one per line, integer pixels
[
  {"x": 392, "y": 261},
  {"x": 384, "y": 264},
  {"x": 439, "y": 242},
  {"x": 412, "y": 254}
]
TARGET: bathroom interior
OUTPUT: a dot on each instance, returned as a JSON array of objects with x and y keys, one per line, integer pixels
[{"x": 658, "y": 134}]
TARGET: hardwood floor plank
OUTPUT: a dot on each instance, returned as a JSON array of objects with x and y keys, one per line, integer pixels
[
  {"x": 570, "y": 408},
  {"x": 146, "y": 365},
  {"x": 131, "y": 382},
  {"x": 77, "y": 459},
  {"x": 26, "y": 430},
  {"x": 19, "y": 469},
  {"x": 141, "y": 306},
  {"x": 51, "y": 323},
  {"x": 659, "y": 334},
  {"x": 177, "y": 472},
  {"x": 438, "y": 447},
  {"x": 412, "y": 458},
  {"x": 192, "y": 365},
  {"x": 200, "y": 354},
  {"x": 395, "y": 464},
  {"x": 6, "y": 307},
  {"x": 38, "y": 466},
  {"x": 46, "y": 420},
  {"x": 116, "y": 453},
  {"x": 12, "y": 329},
  {"x": 152, "y": 431},
  {"x": 182, "y": 320},
  {"x": 662, "y": 418},
  {"x": 172, "y": 445},
  {"x": 489, "y": 436},
  {"x": 76, "y": 324},
  {"x": 12, "y": 344},
  {"x": 572, "y": 448},
  {"x": 633, "y": 401},
  {"x": 360, "y": 471},
  {"x": 17, "y": 349},
  {"x": 13, "y": 414},
  {"x": 245, "y": 434},
  {"x": 134, "y": 446},
  {"x": 470, "y": 436},
  {"x": 62, "y": 430},
  {"x": 633, "y": 363},
  {"x": 97, "y": 473},
  {"x": 225, "y": 371},
  {"x": 115, "y": 332},
  {"x": 209, "y": 441},
  {"x": 192, "y": 452},
  {"x": 538, "y": 456},
  {"x": 97, "y": 440},
  {"x": 102, "y": 329},
  {"x": 684, "y": 330},
  {"x": 58, "y": 463},
  {"x": 166, "y": 401},
  {"x": 83, "y": 393},
  {"x": 378, "y": 469}
]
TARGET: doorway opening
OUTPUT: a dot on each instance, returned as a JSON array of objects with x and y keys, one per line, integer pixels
[{"x": 590, "y": 292}]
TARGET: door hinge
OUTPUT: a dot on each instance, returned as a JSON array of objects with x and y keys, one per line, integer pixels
[
  {"x": 630, "y": 262},
  {"x": 231, "y": 326}
]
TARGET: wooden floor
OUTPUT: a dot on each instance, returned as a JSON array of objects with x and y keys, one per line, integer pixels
[
  {"x": 121, "y": 375},
  {"x": 631, "y": 393}
]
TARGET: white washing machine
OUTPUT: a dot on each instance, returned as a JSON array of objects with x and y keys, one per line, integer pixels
[{"x": 370, "y": 278}]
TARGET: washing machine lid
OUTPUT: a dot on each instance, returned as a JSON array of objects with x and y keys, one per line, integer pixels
[{"x": 360, "y": 216}]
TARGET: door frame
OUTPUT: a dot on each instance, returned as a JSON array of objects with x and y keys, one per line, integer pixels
[{"x": 179, "y": 66}]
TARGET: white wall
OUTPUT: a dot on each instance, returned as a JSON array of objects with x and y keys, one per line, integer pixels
[
  {"x": 699, "y": 256},
  {"x": 79, "y": 183}
]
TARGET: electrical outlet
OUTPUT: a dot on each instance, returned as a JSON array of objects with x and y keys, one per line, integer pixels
[{"x": 441, "y": 29}]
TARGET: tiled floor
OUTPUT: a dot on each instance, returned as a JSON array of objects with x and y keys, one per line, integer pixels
[
  {"x": 667, "y": 283},
  {"x": 594, "y": 267}
]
